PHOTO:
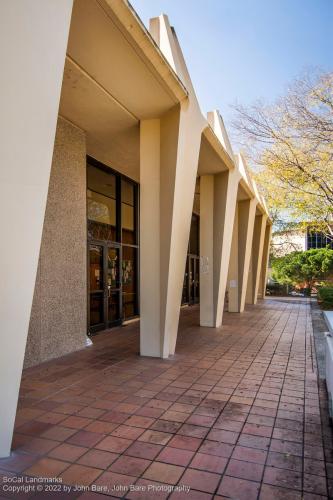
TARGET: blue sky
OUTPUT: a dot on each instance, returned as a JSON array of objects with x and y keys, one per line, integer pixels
[{"x": 243, "y": 50}]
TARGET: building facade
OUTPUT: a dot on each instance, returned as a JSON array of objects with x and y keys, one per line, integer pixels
[
  {"x": 299, "y": 240},
  {"x": 131, "y": 202}
]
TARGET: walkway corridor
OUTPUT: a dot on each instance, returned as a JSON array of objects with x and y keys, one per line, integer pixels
[{"x": 235, "y": 414}]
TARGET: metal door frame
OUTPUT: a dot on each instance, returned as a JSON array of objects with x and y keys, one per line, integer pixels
[{"x": 106, "y": 323}]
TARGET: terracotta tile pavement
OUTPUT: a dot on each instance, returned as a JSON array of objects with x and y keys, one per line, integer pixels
[{"x": 238, "y": 413}]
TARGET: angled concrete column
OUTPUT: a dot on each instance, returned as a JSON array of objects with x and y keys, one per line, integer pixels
[
  {"x": 218, "y": 195},
  {"x": 180, "y": 137},
  {"x": 264, "y": 262},
  {"x": 33, "y": 42},
  {"x": 233, "y": 298},
  {"x": 250, "y": 281},
  {"x": 256, "y": 258},
  {"x": 207, "y": 250},
  {"x": 168, "y": 167},
  {"x": 246, "y": 217},
  {"x": 150, "y": 228},
  {"x": 241, "y": 254}
]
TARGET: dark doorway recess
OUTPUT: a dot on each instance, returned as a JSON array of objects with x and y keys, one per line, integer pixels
[
  {"x": 113, "y": 247},
  {"x": 191, "y": 285}
]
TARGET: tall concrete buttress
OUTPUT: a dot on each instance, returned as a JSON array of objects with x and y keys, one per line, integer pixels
[
  {"x": 33, "y": 47},
  {"x": 246, "y": 217},
  {"x": 218, "y": 195},
  {"x": 264, "y": 263},
  {"x": 169, "y": 152},
  {"x": 256, "y": 258},
  {"x": 240, "y": 257}
]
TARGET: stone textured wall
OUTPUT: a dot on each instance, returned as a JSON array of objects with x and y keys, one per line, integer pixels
[{"x": 58, "y": 322}]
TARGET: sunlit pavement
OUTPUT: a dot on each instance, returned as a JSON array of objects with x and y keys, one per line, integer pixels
[{"x": 237, "y": 413}]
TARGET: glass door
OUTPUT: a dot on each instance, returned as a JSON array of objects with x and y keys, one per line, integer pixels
[
  {"x": 197, "y": 280},
  {"x": 185, "y": 292},
  {"x": 104, "y": 286},
  {"x": 129, "y": 282},
  {"x": 96, "y": 288},
  {"x": 113, "y": 291},
  {"x": 194, "y": 283}
]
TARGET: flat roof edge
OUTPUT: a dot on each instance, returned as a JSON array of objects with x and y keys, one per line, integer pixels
[{"x": 136, "y": 29}]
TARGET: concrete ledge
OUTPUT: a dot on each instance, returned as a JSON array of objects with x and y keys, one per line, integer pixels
[
  {"x": 328, "y": 315},
  {"x": 329, "y": 371}
]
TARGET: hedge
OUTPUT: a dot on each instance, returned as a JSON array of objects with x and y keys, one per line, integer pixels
[{"x": 325, "y": 296}]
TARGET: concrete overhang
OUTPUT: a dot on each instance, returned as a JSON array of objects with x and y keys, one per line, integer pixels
[
  {"x": 245, "y": 179},
  {"x": 210, "y": 162},
  {"x": 260, "y": 207},
  {"x": 245, "y": 184},
  {"x": 114, "y": 76},
  {"x": 111, "y": 45},
  {"x": 244, "y": 193},
  {"x": 213, "y": 157},
  {"x": 142, "y": 37}
]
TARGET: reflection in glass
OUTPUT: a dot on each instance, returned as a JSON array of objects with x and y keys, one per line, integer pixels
[
  {"x": 101, "y": 208},
  {"x": 113, "y": 307},
  {"x": 191, "y": 284},
  {"x": 96, "y": 268},
  {"x": 101, "y": 216},
  {"x": 101, "y": 181},
  {"x": 96, "y": 309},
  {"x": 129, "y": 282},
  {"x": 127, "y": 212},
  {"x": 185, "y": 285},
  {"x": 111, "y": 226},
  {"x": 194, "y": 288},
  {"x": 194, "y": 235},
  {"x": 127, "y": 192},
  {"x": 113, "y": 267}
]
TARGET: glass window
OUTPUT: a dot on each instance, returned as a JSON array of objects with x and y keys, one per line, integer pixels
[
  {"x": 101, "y": 181},
  {"x": 96, "y": 285},
  {"x": 101, "y": 209},
  {"x": 113, "y": 307},
  {"x": 318, "y": 240},
  {"x": 127, "y": 192},
  {"x": 96, "y": 268},
  {"x": 96, "y": 309},
  {"x": 112, "y": 226},
  {"x": 129, "y": 277},
  {"x": 194, "y": 235},
  {"x": 128, "y": 212},
  {"x": 101, "y": 214}
]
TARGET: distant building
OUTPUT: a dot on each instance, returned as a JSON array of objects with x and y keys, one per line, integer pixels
[
  {"x": 285, "y": 242},
  {"x": 316, "y": 239}
]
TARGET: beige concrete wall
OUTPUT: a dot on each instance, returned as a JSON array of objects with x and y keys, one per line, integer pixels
[
  {"x": 233, "y": 274},
  {"x": 58, "y": 322},
  {"x": 264, "y": 263},
  {"x": 33, "y": 39}
]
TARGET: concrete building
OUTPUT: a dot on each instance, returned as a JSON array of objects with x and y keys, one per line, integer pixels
[
  {"x": 284, "y": 242},
  {"x": 119, "y": 198}
]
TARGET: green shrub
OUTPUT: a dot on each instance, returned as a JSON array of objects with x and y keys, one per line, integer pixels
[
  {"x": 303, "y": 269},
  {"x": 325, "y": 295}
]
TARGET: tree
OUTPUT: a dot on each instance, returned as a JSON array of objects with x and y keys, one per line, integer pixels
[
  {"x": 291, "y": 143},
  {"x": 303, "y": 268}
]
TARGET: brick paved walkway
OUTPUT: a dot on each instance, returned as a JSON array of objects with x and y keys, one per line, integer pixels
[{"x": 236, "y": 414}]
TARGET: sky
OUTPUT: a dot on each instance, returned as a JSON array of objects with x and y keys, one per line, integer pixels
[{"x": 239, "y": 51}]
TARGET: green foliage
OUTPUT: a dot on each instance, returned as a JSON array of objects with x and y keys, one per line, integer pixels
[
  {"x": 303, "y": 268},
  {"x": 325, "y": 295}
]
